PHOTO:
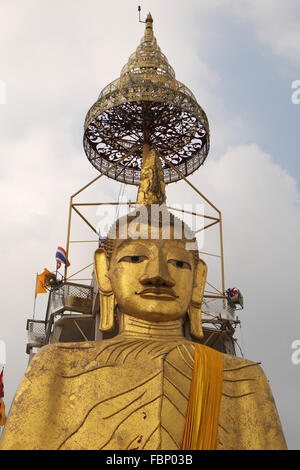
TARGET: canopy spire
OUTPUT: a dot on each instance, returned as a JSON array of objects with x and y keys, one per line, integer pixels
[
  {"x": 148, "y": 36},
  {"x": 149, "y": 18},
  {"x": 146, "y": 105}
]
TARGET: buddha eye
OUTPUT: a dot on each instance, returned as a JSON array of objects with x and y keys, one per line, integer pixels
[
  {"x": 133, "y": 259},
  {"x": 180, "y": 264}
]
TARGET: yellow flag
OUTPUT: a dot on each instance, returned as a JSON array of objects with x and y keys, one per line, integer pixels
[
  {"x": 2, "y": 413},
  {"x": 40, "y": 282}
]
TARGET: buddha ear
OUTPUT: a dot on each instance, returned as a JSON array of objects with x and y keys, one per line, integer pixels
[
  {"x": 194, "y": 310},
  {"x": 106, "y": 295}
]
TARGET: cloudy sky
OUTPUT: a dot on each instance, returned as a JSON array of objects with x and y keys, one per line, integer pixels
[{"x": 240, "y": 58}]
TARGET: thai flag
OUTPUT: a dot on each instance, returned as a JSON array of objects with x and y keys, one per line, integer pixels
[
  {"x": 61, "y": 257},
  {"x": 231, "y": 292},
  {"x": 102, "y": 242}
]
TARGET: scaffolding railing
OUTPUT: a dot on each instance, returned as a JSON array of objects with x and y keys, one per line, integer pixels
[{"x": 71, "y": 297}]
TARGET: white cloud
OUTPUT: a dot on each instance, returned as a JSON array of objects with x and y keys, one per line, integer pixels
[
  {"x": 54, "y": 65},
  {"x": 275, "y": 22}
]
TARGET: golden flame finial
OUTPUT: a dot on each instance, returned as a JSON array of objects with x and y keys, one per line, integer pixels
[
  {"x": 149, "y": 28},
  {"x": 152, "y": 185},
  {"x": 148, "y": 62}
]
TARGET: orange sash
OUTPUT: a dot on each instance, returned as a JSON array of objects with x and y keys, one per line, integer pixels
[{"x": 201, "y": 425}]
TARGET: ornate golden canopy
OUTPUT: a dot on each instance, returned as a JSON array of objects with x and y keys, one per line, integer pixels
[{"x": 146, "y": 105}]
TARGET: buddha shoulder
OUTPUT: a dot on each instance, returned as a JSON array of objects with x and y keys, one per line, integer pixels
[
  {"x": 54, "y": 358},
  {"x": 243, "y": 378},
  {"x": 241, "y": 366},
  {"x": 248, "y": 414}
]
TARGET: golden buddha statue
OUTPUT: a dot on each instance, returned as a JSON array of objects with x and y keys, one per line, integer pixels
[{"x": 149, "y": 387}]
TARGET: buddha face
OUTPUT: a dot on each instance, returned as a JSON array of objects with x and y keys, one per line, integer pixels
[{"x": 152, "y": 279}]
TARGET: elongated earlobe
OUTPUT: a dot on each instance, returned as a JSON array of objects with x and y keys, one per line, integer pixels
[
  {"x": 107, "y": 305},
  {"x": 107, "y": 298},
  {"x": 194, "y": 311}
]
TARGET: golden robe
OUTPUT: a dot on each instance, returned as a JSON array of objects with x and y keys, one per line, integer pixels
[{"x": 131, "y": 393}]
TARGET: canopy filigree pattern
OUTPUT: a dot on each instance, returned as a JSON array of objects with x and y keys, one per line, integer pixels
[{"x": 146, "y": 105}]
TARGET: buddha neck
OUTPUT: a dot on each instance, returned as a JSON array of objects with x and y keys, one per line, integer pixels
[{"x": 164, "y": 331}]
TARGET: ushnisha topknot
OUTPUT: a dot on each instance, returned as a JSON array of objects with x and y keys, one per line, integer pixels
[
  {"x": 151, "y": 222},
  {"x": 151, "y": 218}
]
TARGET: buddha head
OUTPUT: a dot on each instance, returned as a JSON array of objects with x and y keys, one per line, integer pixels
[{"x": 150, "y": 269}]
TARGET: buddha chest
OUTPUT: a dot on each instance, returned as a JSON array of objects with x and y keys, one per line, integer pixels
[{"x": 132, "y": 395}]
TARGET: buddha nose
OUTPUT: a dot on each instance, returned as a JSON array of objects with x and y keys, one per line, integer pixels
[{"x": 157, "y": 273}]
